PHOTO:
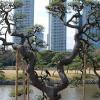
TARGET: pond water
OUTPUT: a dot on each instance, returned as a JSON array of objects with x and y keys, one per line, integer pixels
[{"x": 68, "y": 94}]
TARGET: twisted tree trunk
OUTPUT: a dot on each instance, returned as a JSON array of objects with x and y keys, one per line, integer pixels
[{"x": 53, "y": 88}]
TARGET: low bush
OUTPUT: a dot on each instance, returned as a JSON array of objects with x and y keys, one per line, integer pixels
[
  {"x": 2, "y": 76},
  {"x": 21, "y": 91},
  {"x": 96, "y": 95}
]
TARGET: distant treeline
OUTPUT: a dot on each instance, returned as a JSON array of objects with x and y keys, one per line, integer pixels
[{"x": 7, "y": 59}]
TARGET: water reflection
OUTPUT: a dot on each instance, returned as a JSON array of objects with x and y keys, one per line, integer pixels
[
  {"x": 76, "y": 93},
  {"x": 5, "y": 91},
  {"x": 67, "y": 94}
]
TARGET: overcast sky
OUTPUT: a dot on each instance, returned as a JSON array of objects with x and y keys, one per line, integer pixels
[
  {"x": 41, "y": 17},
  {"x": 41, "y": 14}
]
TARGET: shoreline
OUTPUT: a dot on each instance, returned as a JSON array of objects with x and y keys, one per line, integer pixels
[{"x": 12, "y": 82}]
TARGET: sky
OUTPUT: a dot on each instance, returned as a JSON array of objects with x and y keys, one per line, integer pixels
[{"x": 41, "y": 17}]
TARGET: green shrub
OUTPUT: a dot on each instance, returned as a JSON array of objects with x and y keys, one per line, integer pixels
[
  {"x": 21, "y": 91},
  {"x": 96, "y": 95},
  {"x": 2, "y": 76},
  {"x": 90, "y": 76}
]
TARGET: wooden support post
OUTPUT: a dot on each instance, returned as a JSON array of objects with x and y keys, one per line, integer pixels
[
  {"x": 24, "y": 83},
  {"x": 84, "y": 70},
  {"x": 27, "y": 77},
  {"x": 16, "y": 82},
  {"x": 27, "y": 88}
]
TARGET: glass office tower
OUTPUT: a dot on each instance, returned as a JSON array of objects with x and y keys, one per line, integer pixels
[
  {"x": 27, "y": 11},
  {"x": 57, "y": 34}
]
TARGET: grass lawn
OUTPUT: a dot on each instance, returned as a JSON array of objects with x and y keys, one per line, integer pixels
[{"x": 11, "y": 74}]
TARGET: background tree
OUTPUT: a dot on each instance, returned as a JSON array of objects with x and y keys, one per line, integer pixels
[
  {"x": 45, "y": 57},
  {"x": 82, "y": 37},
  {"x": 76, "y": 64},
  {"x": 7, "y": 59}
]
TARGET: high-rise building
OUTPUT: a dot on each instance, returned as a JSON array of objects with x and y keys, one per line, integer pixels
[
  {"x": 27, "y": 11},
  {"x": 57, "y": 34}
]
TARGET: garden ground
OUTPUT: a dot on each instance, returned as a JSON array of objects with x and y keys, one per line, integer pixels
[{"x": 11, "y": 74}]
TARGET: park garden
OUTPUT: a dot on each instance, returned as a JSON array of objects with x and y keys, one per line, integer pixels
[{"x": 50, "y": 75}]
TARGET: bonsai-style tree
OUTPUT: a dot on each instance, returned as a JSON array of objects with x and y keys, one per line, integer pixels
[{"x": 82, "y": 43}]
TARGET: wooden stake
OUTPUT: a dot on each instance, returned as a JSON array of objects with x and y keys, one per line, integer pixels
[
  {"x": 16, "y": 82},
  {"x": 84, "y": 70},
  {"x": 24, "y": 83},
  {"x": 27, "y": 86}
]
